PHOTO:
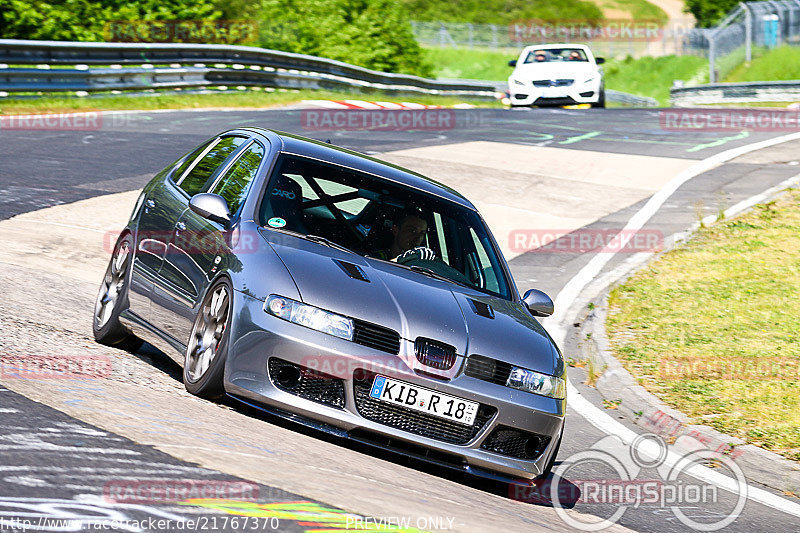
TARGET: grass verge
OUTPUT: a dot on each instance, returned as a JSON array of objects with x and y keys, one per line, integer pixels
[
  {"x": 242, "y": 99},
  {"x": 653, "y": 76},
  {"x": 781, "y": 63},
  {"x": 635, "y": 9},
  {"x": 712, "y": 327}
]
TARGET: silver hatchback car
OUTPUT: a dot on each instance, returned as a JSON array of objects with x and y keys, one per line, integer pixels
[{"x": 341, "y": 292}]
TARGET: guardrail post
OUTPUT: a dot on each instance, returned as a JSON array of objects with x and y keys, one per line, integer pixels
[
  {"x": 712, "y": 73},
  {"x": 748, "y": 31}
]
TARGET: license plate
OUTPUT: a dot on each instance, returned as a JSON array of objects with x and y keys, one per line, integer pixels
[{"x": 424, "y": 400}]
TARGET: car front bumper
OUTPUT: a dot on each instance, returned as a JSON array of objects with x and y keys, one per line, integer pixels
[
  {"x": 261, "y": 337},
  {"x": 528, "y": 94}
]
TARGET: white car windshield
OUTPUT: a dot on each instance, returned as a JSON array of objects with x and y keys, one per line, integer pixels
[{"x": 556, "y": 55}]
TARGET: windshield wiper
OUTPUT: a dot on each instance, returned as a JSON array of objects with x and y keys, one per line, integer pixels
[
  {"x": 327, "y": 242},
  {"x": 430, "y": 273},
  {"x": 319, "y": 239}
]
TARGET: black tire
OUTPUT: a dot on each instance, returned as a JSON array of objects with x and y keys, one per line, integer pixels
[
  {"x": 112, "y": 299},
  {"x": 601, "y": 100},
  {"x": 207, "y": 349},
  {"x": 548, "y": 468}
]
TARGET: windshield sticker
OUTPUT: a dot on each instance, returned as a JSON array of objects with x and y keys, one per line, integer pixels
[{"x": 276, "y": 222}]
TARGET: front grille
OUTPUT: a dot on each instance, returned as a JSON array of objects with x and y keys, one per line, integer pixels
[
  {"x": 516, "y": 443},
  {"x": 421, "y": 424},
  {"x": 306, "y": 383},
  {"x": 378, "y": 337},
  {"x": 488, "y": 369},
  {"x": 435, "y": 354},
  {"x": 553, "y": 83},
  {"x": 565, "y": 100}
]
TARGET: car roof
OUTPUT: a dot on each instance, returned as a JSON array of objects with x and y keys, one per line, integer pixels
[
  {"x": 556, "y": 45},
  {"x": 303, "y": 146}
]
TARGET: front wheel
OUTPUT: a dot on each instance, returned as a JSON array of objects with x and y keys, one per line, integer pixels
[
  {"x": 601, "y": 100},
  {"x": 204, "y": 367},
  {"x": 112, "y": 299}
]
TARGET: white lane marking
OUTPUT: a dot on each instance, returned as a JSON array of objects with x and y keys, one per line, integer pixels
[
  {"x": 8, "y": 410},
  {"x": 575, "y": 285},
  {"x": 573, "y": 288},
  {"x": 608, "y": 425},
  {"x": 71, "y": 226}
]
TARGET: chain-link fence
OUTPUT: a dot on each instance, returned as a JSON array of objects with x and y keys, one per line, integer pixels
[
  {"x": 608, "y": 38},
  {"x": 749, "y": 30}
]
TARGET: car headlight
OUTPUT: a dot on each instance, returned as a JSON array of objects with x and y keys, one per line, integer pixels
[
  {"x": 542, "y": 384},
  {"x": 590, "y": 79},
  {"x": 310, "y": 317},
  {"x": 517, "y": 82}
]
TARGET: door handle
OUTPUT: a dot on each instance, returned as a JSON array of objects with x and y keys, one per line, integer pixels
[{"x": 180, "y": 226}]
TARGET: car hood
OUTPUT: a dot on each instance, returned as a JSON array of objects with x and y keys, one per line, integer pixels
[
  {"x": 415, "y": 305},
  {"x": 553, "y": 71}
]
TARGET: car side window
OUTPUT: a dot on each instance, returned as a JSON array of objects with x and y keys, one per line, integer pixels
[
  {"x": 189, "y": 159},
  {"x": 235, "y": 184},
  {"x": 197, "y": 176}
]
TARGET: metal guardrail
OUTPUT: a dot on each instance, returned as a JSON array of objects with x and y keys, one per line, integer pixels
[
  {"x": 230, "y": 66},
  {"x": 258, "y": 66},
  {"x": 723, "y": 93},
  {"x": 630, "y": 99}
]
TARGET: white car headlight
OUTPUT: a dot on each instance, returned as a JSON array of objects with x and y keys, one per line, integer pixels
[
  {"x": 517, "y": 82},
  {"x": 590, "y": 79},
  {"x": 310, "y": 317},
  {"x": 542, "y": 384}
]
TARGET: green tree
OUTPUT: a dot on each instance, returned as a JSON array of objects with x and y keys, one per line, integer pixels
[
  {"x": 371, "y": 33},
  {"x": 709, "y": 12},
  {"x": 86, "y": 20}
]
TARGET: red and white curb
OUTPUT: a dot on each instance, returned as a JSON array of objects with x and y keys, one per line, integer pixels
[{"x": 363, "y": 104}]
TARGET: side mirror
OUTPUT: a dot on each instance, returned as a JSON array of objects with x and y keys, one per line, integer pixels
[
  {"x": 211, "y": 206},
  {"x": 512, "y": 63},
  {"x": 538, "y": 303},
  {"x": 600, "y": 60}
]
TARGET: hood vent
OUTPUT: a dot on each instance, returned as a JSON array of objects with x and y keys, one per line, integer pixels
[
  {"x": 354, "y": 271},
  {"x": 482, "y": 309}
]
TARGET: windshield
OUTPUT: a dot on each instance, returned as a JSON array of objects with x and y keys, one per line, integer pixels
[
  {"x": 384, "y": 220},
  {"x": 548, "y": 55}
]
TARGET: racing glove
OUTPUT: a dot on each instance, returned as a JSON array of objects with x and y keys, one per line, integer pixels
[{"x": 420, "y": 253}]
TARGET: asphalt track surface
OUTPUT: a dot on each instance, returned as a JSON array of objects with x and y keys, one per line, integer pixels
[{"x": 48, "y": 456}]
